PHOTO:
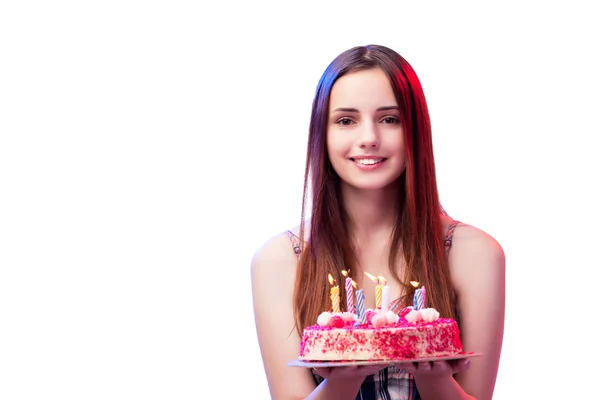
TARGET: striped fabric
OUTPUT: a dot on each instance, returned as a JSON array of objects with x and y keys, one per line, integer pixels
[{"x": 391, "y": 383}]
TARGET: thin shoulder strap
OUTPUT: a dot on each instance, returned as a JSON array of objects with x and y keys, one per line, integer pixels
[
  {"x": 449, "y": 234},
  {"x": 295, "y": 242}
]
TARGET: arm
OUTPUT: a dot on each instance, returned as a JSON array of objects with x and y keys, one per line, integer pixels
[
  {"x": 273, "y": 277},
  {"x": 477, "y": 266},
  {"x": 273, "y": 272},
  {"x": 478, "y": 274}
]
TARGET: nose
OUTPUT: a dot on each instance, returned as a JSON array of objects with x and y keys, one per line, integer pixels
[{"x": 369, "y": 137}]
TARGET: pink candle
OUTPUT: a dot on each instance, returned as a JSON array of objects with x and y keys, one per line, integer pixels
[{"x": 350, "y": 295}]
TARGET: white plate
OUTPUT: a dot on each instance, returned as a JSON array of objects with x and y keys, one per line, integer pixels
[{"x": 322, "y": 364}]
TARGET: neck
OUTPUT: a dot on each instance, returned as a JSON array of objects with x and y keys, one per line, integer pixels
[{"x": 372, "y": 213}]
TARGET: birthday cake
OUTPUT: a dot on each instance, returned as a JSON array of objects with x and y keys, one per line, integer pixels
[{"x": 382, "y": 335}]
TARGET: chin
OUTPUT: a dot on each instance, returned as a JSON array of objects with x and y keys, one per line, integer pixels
[{"x": 371, "y": 185}]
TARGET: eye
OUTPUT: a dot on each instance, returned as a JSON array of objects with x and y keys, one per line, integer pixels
[
  {"x": 344, "y": 121},
  {"x": 391, "y": 120}
]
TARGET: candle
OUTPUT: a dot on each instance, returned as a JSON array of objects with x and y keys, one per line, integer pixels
[
  {"x": 385, "y": 295},
  {"x": 360, "y": 306},
  {"x": 350, "y": 295},
  {"x": 349, "y": 292},
  {"x": 418, "y": 296},
  {"x": 424, "y": 296},
  {"x": 378, "y": 289},
  {"x": 418, "y": 300},
  {"x": 335, "y": 295},
  {"x": 379, "y": 292}
]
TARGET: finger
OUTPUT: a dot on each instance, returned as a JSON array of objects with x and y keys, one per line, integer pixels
[
  {"x": 322, "y": 371},
  {"x": 361, "y": 371},
  {"x": 461, "y": 365},
  {"x": 409, "y": 367},
  {"x": 372, "y": 369},
  {"x": 348, "y": 371},
  {"x": 441, "y": 367},
  {"x": 424, "y": 366}
]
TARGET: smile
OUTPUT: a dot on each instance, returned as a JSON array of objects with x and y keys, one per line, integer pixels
[{"x": 368, "y": 161}]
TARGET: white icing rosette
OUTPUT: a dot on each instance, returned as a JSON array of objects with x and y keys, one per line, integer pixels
[
  {"x": 381, "y": 318},
  {"x": 324, "y": 318},
  {"x": 424, "y": 314},
  {"x": 349, "y": 317},
  {"x": 429, "y": 314}
]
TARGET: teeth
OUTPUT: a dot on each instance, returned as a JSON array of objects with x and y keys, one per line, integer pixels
[{"x": 368, "y": 161}]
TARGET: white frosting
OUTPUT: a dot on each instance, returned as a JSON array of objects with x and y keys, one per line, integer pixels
[
  {"x": 429, "y": 314},
  {"x": 391, "y": 317},
  {"x": 349, "y": 317},
  {"x": 384, "y": 318},
  {"x": 324, "y": 318},
  {"x": 425, "y": 314},
  {"x": 413, "y": 316},
  {"x": 379, "y": 320}
]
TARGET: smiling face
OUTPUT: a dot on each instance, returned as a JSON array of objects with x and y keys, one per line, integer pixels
[{"x": 365, "y": 138}]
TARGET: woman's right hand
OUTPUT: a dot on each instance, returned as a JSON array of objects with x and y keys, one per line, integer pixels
[{"x": 349, "y": 373}]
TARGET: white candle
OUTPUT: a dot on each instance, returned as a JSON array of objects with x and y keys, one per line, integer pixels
[
  {"x": 385, "y": 298},
  {"x": 383, "y": 287}
]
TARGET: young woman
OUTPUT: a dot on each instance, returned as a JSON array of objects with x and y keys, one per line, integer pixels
[{"x": 371, "y": 205}]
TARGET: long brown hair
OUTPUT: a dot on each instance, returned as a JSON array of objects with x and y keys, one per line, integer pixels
[{"x": 417, "y": 239}]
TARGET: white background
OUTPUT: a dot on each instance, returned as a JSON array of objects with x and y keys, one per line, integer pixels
[{"x": 147, "y": 149}]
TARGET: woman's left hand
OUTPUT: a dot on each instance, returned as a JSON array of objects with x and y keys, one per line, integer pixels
[{"x": 436, "y": 368}]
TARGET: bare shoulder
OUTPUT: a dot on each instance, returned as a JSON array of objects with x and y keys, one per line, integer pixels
[
  {"x": 474, "y": 249},
  {"x": 275, "y": 256},
  {"x": 273, "y": 270},
  {"x": 468, "y": 234}
]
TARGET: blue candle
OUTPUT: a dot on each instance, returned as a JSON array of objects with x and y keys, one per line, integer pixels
[
  {"x": 360, "y": 306},
  {"x": 418, "y": 300}
]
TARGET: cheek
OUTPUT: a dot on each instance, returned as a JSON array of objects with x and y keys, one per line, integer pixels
[
  {"x": 336, "y": 147},
  {"x": 398, "y": 146},
  {"x": 401, "y": 149},
  {"x": 328, "y": 144}
]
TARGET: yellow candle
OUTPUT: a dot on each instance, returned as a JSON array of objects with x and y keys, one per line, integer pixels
[
  {"x": 335, "y": 299},
  {"x": 335, "y": 295},
  {"x": 379, "y": 281},
  {"x": 379, "y": 290}
]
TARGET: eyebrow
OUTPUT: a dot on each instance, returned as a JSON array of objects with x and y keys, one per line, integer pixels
[{"x": 346, "y": 109}]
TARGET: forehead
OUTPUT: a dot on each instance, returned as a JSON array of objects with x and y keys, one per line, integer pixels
[{"x": 364, "y": 90}]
